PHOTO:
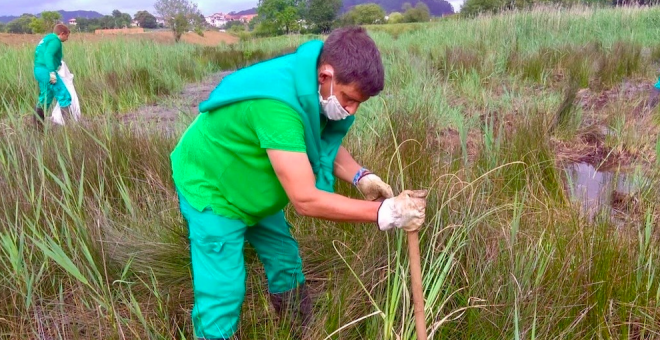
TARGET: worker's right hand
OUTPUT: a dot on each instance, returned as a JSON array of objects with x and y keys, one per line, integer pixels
[
  {"x": 53, "y": 78},
  {"x": 406, "y": 211}
]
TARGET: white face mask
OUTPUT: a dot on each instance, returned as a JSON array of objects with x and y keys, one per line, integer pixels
[{"x": 331, "y": 107}]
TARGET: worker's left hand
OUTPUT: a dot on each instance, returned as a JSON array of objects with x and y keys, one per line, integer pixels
[
  {"x": 406, "y": 211},
  {"x": 53, "y": 78},
  {"x": 373, "y": 188}
]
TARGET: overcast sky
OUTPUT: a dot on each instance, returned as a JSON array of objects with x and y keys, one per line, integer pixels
[
  {"x": 457, "y": 4},
  {"x": 208, "y": 7},
  {"x": 18, "y": 7}
]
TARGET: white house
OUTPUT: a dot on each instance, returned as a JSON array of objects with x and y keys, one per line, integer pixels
[
  {"x": 216, "y": 20},
  {"x": 72, "y": 22}
]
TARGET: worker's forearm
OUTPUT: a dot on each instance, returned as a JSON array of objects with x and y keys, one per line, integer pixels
[
  {"x": 345, "y": 166},
  {"x": 338, "y": 208}
]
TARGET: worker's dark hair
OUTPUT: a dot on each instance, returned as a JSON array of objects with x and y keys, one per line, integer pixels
[
  {"x": 355, "y": 59},
  {"x": 61, "y": 29}
]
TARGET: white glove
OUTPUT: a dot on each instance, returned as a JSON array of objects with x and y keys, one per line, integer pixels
[
  {"x": 373, "y": 188},
  {"x": 53, "y": 78},
  {"x": 406, "y": 211}
]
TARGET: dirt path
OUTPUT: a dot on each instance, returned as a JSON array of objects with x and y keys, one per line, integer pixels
[{"x": 179, "y": 108}]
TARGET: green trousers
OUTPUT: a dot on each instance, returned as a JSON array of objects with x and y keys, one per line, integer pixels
[
  {"x": 218, "y": 266},
  {"x": 48, "y": 91}
]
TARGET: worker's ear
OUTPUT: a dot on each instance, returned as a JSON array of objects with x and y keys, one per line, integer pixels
[{"x": 325, "y": 73}]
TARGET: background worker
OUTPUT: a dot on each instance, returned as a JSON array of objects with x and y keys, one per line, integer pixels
[{"x": 47, "y": 60}]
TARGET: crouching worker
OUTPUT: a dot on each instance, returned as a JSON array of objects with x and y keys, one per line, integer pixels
[
  {"x": 268, "y": 135},
  {"x": 47, "y": 60}
]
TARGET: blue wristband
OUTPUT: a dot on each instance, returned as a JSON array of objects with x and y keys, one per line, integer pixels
[{"x": 361, "y": 173}]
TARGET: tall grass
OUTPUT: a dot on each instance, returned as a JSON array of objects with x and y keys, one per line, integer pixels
[{"x": 93, "y": 245}]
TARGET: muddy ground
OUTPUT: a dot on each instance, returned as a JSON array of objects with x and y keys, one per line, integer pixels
[
  {"x": 167, "y": 113},
  {"x": 618, "y": 128}
]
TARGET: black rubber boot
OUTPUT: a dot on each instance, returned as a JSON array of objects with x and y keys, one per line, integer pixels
[
  {"x": 294, "y": 306},
  {"x": 38, "y": 117}
]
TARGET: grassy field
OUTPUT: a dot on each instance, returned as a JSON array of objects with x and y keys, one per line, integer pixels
[{"x": 484, "y": 113}]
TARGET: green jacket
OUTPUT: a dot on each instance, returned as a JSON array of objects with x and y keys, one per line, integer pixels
[
  {"x": 48, "y": 53},
  {"x": 292, "y": 79}
]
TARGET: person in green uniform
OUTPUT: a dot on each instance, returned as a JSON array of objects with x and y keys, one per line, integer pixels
[
  {"x": 47, "y": 60},
  {"x": 269, "y": 135}
]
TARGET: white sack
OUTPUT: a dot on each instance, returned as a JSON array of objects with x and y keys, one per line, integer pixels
[{"x": 67, "y": 78}]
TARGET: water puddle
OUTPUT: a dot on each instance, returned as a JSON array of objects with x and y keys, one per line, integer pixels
[{"x": 599, "y": 191}]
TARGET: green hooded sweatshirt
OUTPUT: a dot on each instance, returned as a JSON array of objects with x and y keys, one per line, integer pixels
[
  {"x": 48, "y": 53},
  {"x": 291, "y": 79}
]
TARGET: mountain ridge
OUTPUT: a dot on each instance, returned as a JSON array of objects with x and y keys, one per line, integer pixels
[{"x": 66, "y": 15}]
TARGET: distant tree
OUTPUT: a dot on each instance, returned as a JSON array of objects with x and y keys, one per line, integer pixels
[
  {"x": 46, "y": 22},
  {"x": 322, "y": 14},
  {"x": 107, "y": 22},
  {"x": 181, "y": 24},
  {"x": 179, "y": 16},
  {"x": 279, "y": 16},
  {"x": 419, "y": 13},
  {"x": 237, "y": 28},
  {"x": 146, "y": 19},
  {"x": 37, "y": 26},
  {"x": 82, "y": 24},
  {"x": 395, "y": 18},
  {"x": 120, "y": 20},
  {"x": 230, "y": 24},
  {"x": 475, "y": 7},
  {"x": 365, "y": 14},
  {"x": 3, "y": 26},
  {"x": 202, "y": 21},
  {"x": 253, "y": 23},
  {"x": 51, "y": 18},
  {"x": 20, "y": 25}
]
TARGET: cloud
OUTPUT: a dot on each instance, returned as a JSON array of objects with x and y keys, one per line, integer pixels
[{"x": 457, "y": 4}]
